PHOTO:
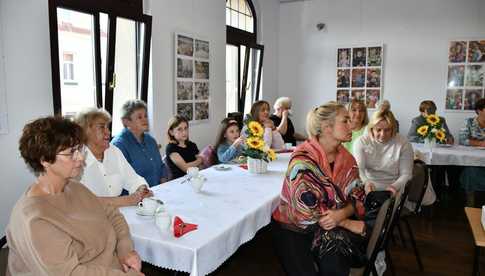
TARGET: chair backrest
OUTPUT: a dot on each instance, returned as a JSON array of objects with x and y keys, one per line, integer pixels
[
  {"x": 168, "y": 171},
  {"x": 379, "y": 233},
  {"x": 418, "y": 184},
  {"x": 208, "y": 155},
  {"x": 3, "y": 256}
]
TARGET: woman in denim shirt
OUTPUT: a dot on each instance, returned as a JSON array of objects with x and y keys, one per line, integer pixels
[
  {"x": 140, "y": 148},
  {"x": 473, "y": 134}
]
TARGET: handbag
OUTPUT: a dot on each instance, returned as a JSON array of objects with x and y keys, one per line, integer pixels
[
  {"x": 372, "y": 205},
  {"x": 342, "y": 242}
]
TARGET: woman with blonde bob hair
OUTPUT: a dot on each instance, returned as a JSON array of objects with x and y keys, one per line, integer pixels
[
  {"x": 320, "y": 192},
  {"x": 358, "y": 121},
  {"x": 384, "y": 157},
  {"x": 107, "y": 172}
]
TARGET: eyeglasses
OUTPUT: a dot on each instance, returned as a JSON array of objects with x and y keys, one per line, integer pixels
[{"x": 75, "y": 152}]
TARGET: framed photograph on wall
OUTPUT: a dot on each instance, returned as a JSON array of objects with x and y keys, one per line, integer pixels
[
  {"x": 192, "y": 75},
  {"x": 465, "y": 82},
  {"x": 359, "y": 74}
]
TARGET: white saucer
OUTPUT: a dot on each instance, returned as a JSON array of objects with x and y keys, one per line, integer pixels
[
  {"x": 222, "y": 167},
  {"x": 444, "y": 145},
  {"x": 144, "y": 213}
]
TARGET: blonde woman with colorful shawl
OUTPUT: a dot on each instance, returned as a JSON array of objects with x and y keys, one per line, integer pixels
[{"x": 321, "y": 191}]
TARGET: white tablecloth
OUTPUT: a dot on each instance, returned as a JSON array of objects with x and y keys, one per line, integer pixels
[
  {"x": 231, "y": 208},
  {"x": 456, "y": 155}
]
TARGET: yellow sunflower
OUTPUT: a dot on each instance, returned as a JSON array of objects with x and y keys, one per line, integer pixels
[
  {"x": 255, "y": 143},
  {"x": 271, "y": 155},
  {"x": 423, "y": 130},
  {"x": 432, "y": 119},
  {"x": 440, "y": 135},
  {"x": 256, "y": 128}
]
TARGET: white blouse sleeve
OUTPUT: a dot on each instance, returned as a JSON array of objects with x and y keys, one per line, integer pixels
[
  {"x": 268, "y": 137},
  {"x": 131, "y": 180},
  {"x": 360, "y": 158},
  {"x": 277, "y": 141}
]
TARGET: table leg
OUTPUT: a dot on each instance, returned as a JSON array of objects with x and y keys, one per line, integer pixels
[{"x": 476, "y": 271}]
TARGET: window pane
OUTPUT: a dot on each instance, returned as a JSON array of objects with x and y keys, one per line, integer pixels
[
  {"x": 228, "y": 17},
  {"x": 234, "y": 4},
  {"x": 228, "y": 3},
  {"x": 231, "y": 78},
  {"x": 76, "y": 55},
  {"x": 242, "y": 21},
  {"x": 125, "y": 79},
  {"x": 249, "y": 24}
]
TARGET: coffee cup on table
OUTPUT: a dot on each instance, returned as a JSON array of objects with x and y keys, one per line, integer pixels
[
  {"x": 148, "y": 206},
  {"x": 288, "y": 146},
  {"x": 192, "y": 171}
]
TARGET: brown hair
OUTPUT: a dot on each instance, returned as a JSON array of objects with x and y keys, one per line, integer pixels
[
  {"x": 256, "y": 108},
  {"x": 174, "y": 122},
  {"x": 324, "y": 113},
  {"x": 479, "y": 105},
  {"x": 225, "y": 124},
  {"x": 44, "y": 138},
  {"x": 428, "y": 106},
  {"x": 361, "y": 103},
  {"x": 382, "y": 114}
]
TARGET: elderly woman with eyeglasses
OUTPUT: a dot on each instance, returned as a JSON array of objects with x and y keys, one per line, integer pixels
[
  {"x": 107, "y": 172},
  {"x": 58, "y": 227}
]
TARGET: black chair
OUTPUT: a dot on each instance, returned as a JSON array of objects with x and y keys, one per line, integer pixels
[
  {"x": 3, "y": 256},
  {"x": 377, "y": 238},
  {"x": 415, "y": 190}
]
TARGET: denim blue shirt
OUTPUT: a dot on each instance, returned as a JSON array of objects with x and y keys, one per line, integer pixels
[
  {"x": 471, "y": 130},
  {"x": 144, "y": 157},
  {"x": 227, "y": 152}
]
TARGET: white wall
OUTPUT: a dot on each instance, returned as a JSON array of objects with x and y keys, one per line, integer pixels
[
  {"x": 415, "y": 34},
  {"x": 28, "y": 88}
]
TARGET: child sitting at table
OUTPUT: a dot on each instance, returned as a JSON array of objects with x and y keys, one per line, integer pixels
[
  {"x": 229, "y": 142},
  {"x": 181, "y": 152}
]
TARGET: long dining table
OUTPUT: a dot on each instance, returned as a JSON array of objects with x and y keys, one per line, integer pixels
[
  {"x": 231, "y": 207},
  {"x": 451, "y": 155}
]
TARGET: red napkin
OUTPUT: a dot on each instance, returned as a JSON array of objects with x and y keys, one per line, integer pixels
[
  {"x": 181, "y": 228},
  {"x": 244, "y": 166}
]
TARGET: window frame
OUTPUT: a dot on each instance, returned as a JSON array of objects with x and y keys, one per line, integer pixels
[{"x": 128, "y": 9}]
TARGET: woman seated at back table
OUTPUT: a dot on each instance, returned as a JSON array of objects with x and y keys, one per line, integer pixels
[
  {"x": 437, "y": 172},
  {"x": 106, "y": 172},
  {"x": 315, "y": 196},
  {"x": 384, "y": 158},
  {"x": 473, "y": 134},
  {"x": 138, "y": 146},
  {"x": 358, "y": 121},
  {"x": 283, "y": 123},
  {"x": 58, "y": 227},
  {"x": 426, "y": 108},
  {"x": 260, "y": 113}
]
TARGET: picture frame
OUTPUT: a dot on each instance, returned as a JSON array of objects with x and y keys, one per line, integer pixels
[
  {"x": 360, "y": 74},
  {"x": 192, "y": 95}
]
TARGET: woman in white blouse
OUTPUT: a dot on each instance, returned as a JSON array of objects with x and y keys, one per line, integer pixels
[
  {"x": 385, "y": 158},
  {"x": 106, "y": 172}
]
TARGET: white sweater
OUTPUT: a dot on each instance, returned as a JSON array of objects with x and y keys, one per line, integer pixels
[{"x": 384, "y": 164}]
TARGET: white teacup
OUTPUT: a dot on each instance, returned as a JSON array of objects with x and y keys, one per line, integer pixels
[
  {"x": 148, "y": 205},
  {"x": 288, "y": 146},
  {"x": 193, "y": 171},
  {"x": 163, "y": 220},
  {"x": 197, "y": 182}
]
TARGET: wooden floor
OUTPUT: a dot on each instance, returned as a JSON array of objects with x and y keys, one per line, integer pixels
[{"x": 444, "y": 240}]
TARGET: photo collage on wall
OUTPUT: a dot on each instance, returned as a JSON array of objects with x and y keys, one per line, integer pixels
[
  {"x": 466, "y": 69},
  {"x": 192, "y": 90},
  {"x": 359, "y": 74}
]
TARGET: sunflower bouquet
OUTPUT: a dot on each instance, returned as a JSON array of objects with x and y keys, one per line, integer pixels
[
  {"x": 432, "y": 129},
  {"x": 255, "y": 146}
]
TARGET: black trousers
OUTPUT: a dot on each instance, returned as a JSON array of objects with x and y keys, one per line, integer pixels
[{"x": 294, "y": 252}]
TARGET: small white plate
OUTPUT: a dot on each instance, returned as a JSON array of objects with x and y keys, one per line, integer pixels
[
  {"x": 144, "y": 213},
  {"x": 222, "y": 167},
  {"x": 444, "y": 145}
]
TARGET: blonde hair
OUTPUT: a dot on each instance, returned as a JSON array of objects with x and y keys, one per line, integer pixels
[
  {"x": 323, "y": 113},
  {"x": 361, "y": 103},
  {"x": 86, "y": 117},
  {"x": 382, "y": 114},
  {"x": 284, "y": 102}
]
